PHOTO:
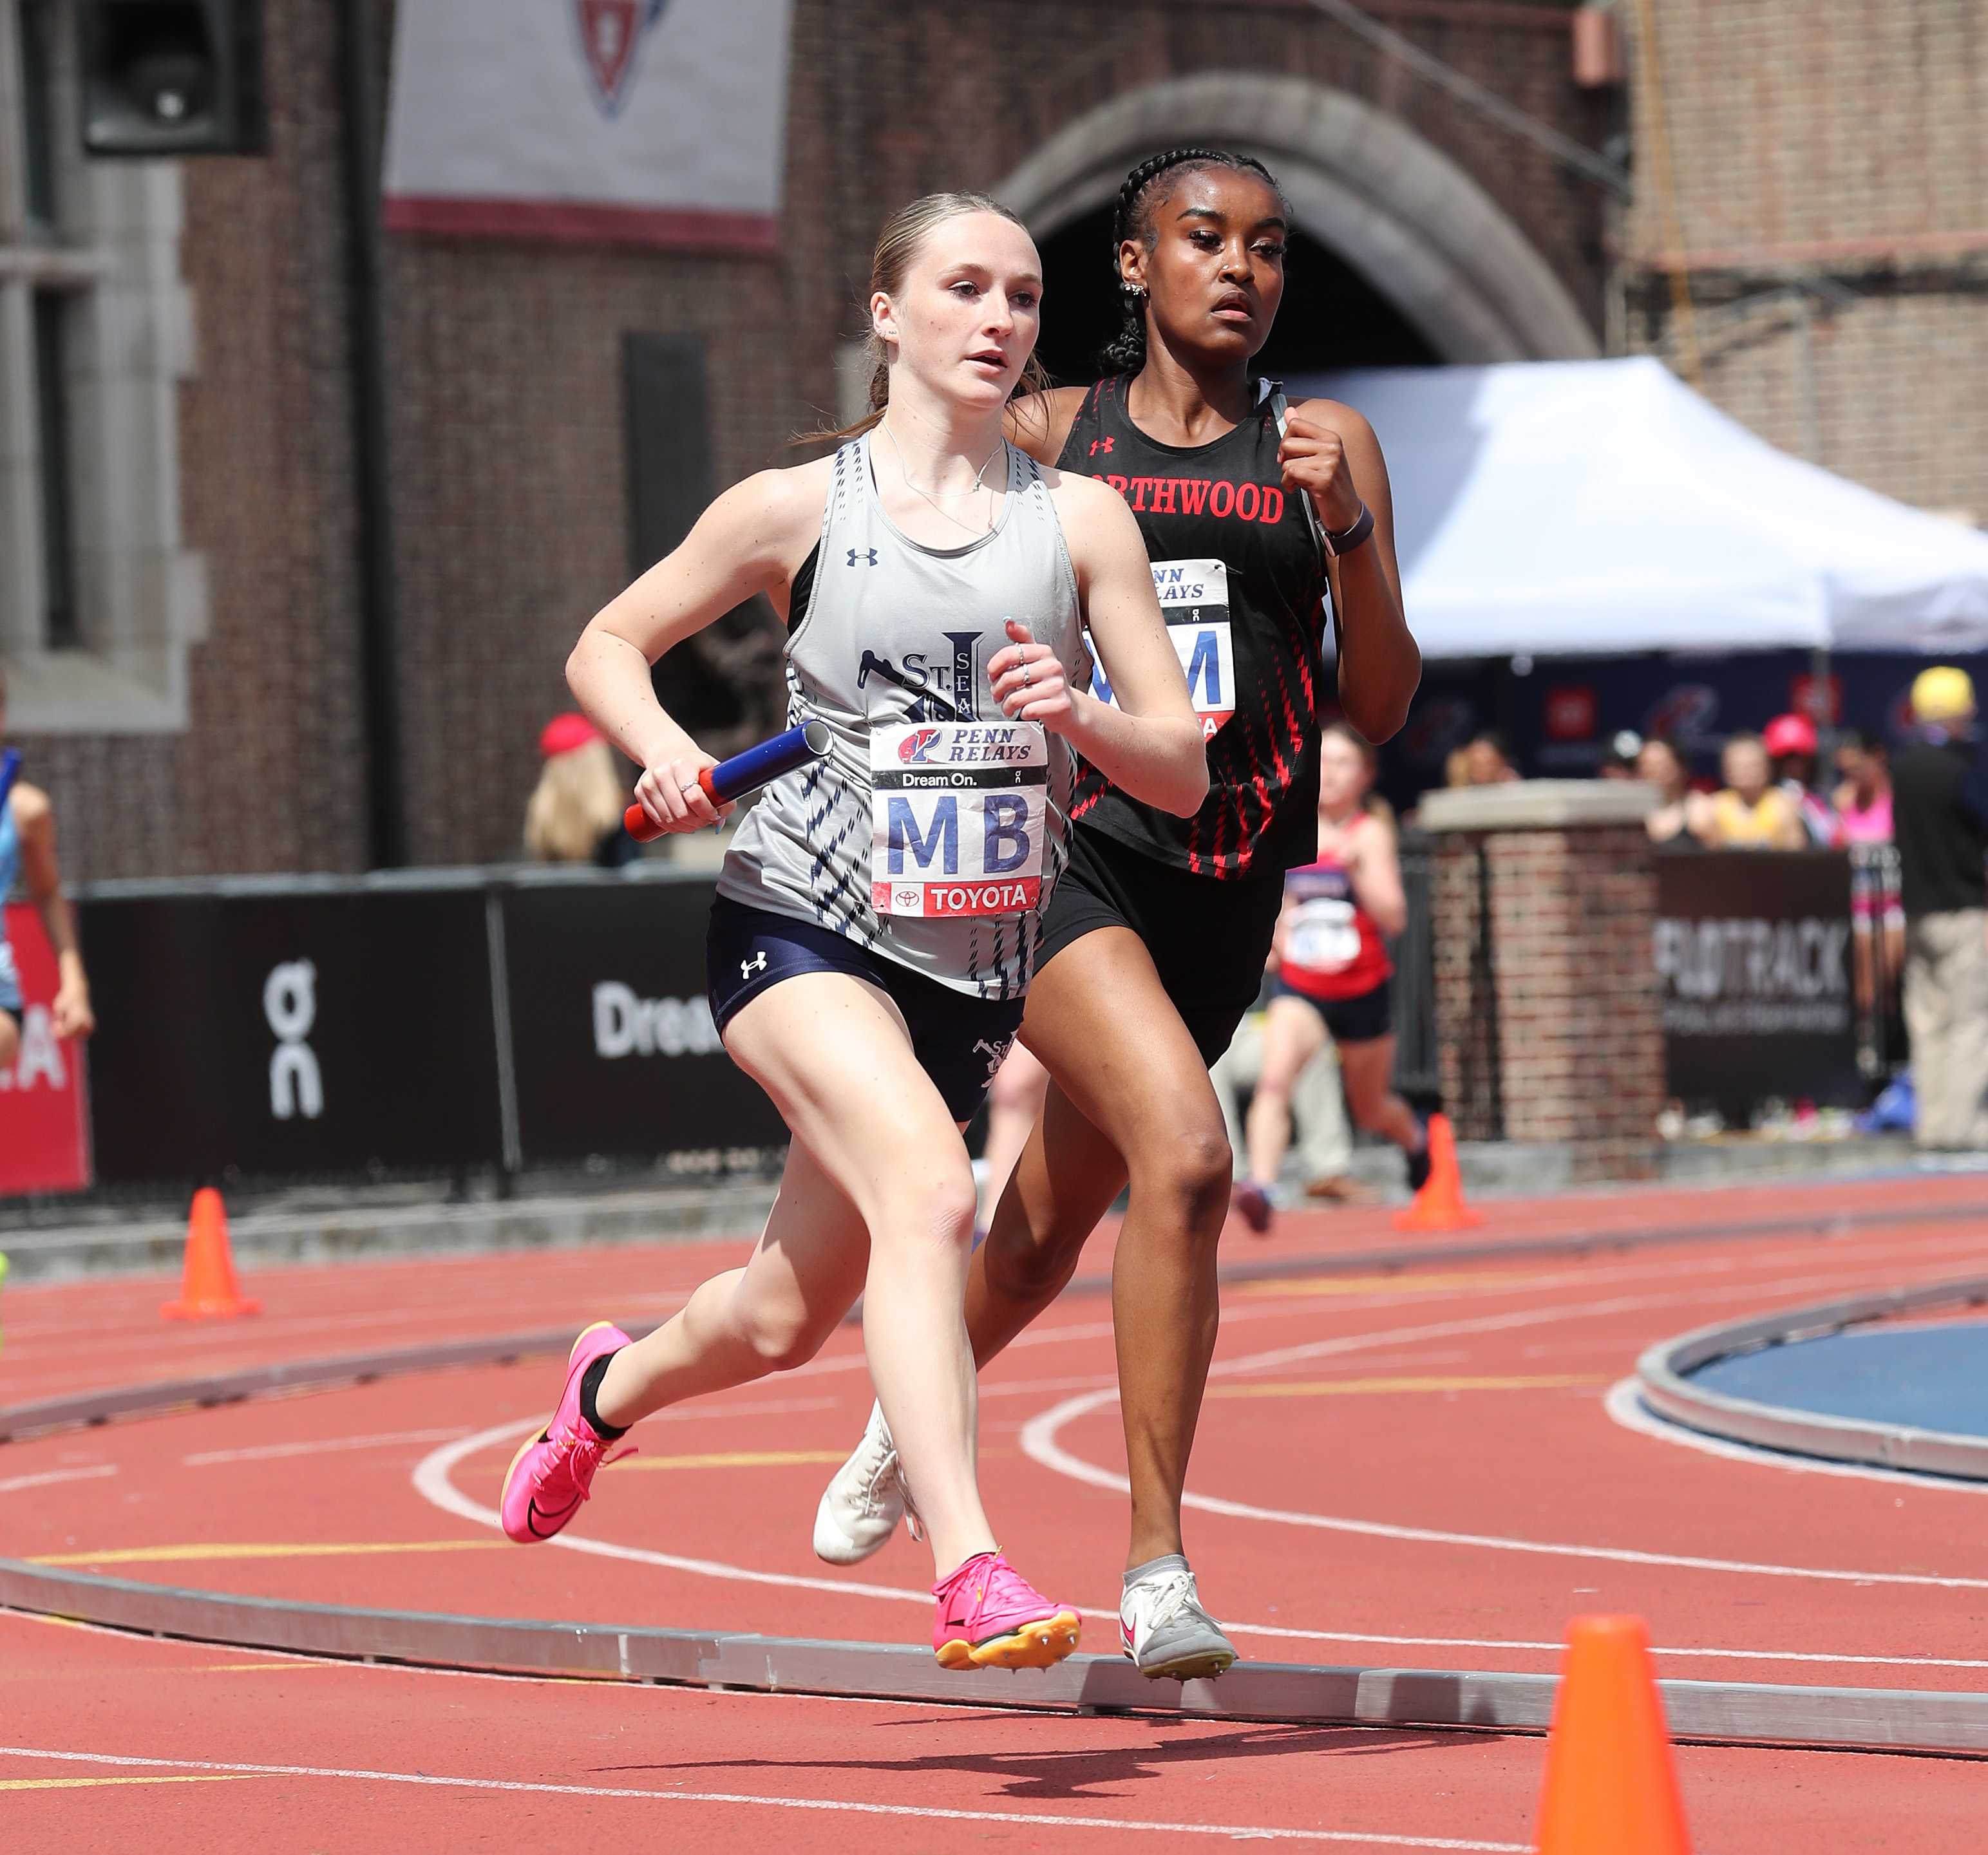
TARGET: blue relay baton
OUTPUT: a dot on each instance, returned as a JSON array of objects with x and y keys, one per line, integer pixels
[
  {"x": 10, "y": 770},
  {"x": 744, "y": 773}
]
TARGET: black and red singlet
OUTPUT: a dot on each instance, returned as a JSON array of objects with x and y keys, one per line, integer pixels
[{"x": 1242, "y": 586}]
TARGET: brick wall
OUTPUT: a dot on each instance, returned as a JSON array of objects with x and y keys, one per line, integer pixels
[
  {"x": 1559, "y": 1036},
  {"x": 1844, "y": 146},
  {"x": 511, "y": 497}
]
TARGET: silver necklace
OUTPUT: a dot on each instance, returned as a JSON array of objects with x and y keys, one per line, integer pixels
[{"x": 935, "y": 498}]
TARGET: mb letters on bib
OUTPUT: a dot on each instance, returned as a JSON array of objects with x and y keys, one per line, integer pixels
[
  {"x": 1194, "y": 600},
  {"x": 959, "y": 813}
]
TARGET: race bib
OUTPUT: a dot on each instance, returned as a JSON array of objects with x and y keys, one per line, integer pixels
[
  {"x": 958, "y": 811},
  {"x": 1194, "y": 600},
  {"x": 1323, "y": 936}
]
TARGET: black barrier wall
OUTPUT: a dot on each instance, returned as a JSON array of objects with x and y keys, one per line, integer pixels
[
  {"x": 1752, "y": 955},
  {"x": 294, "y": 1027},
  {"x": 614, "y": 1047}
]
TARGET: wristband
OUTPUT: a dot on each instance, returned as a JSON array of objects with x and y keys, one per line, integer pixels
[{"x": 1347, "y": 539}]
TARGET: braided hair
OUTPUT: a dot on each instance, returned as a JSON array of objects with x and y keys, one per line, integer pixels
[{"x": 1126, "y": 352}]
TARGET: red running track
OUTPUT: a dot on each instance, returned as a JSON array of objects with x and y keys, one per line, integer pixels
[{"x": 1416, "y": 1469}]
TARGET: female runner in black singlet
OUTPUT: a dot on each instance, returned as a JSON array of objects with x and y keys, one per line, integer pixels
[{"x": 1154, "y": 944}]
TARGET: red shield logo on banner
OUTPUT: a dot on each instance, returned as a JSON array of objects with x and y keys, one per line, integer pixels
[
  {"x": 44, "y": 1105},
  {"x": 611, "y": 32},
  {"x": 1571, "y": 714}
]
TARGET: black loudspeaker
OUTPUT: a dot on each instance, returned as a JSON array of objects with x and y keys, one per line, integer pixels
[{"x": 169, "y": 77}]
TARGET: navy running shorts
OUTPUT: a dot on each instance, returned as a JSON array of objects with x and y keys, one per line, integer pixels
[
  {"x": 959, "y": 1042},
  {"x": 1209, "y": 936},
  {"x": 1355, "y": 1020}
]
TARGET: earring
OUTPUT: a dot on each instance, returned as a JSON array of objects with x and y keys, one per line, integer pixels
[{"x": 1136, "y": 289}]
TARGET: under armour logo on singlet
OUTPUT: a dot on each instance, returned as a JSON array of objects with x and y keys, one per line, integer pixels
[
  {"x": 1103, "y": 444},
  {"x": 748, "y": 968},
  {"x": 871, "y": 552}
]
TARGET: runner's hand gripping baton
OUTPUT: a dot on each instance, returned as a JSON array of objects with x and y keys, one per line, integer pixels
[{"x": 744, "y": 773}]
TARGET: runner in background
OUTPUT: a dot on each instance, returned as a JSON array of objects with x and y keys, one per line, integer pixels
[
  {"x": 1333, "y": 978},
  {"x": 1153, "y": 947},
  {"x": 877, "y": 913},
  {"x": 27, "y": 849}
]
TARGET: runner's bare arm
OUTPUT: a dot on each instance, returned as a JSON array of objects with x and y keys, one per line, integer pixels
[
  {"x": 1040, "y": 423},
  {"x": 1330, "y": 450},
  {"x": 1376, "y": 874},
  {"x": 1150, "y": 745},
  {"x": 35, "y": 819},
  {"x": 751, "y": 539}
]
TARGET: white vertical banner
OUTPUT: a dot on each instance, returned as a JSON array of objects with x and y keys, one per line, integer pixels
[{"x": 644, "y": 122}]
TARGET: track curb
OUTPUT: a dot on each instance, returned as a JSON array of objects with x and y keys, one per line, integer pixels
[
  {"x": 1902, "y": 1720},
  {"x": 1664, "y": 1372},
  {"x": 1727, "y": 1712}
]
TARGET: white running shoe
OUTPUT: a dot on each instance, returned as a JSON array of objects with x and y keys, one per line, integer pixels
[
  {"x": 865, "y": 1499},
  {"x": 1165, "y": 1632}
]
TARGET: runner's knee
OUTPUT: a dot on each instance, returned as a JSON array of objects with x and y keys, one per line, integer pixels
[
  {"x": 937, "y": 1207},
  {"x": 1022, "y": 1269},
  {"x": 784, "y": 1337},
  {"x": 1192, "y": 1169}
]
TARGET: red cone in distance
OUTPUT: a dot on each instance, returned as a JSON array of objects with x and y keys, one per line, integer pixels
[
  {"x": 1611, "y": 1786},
  {"x": 1439, "y": 1204},
  {"x": 208, "y": 1286}
]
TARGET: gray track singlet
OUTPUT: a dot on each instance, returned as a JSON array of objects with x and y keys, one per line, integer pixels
[{"x": 892, "y": 654}]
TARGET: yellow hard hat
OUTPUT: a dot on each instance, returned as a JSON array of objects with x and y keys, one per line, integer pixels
[{"x": 1941, "y": 693}]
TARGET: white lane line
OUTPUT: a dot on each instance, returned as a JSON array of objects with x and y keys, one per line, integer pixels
[
  {"x": 432, "y": 1482},
  {"x": 839, "y": 1806},
  {"x": 1039, "y": 1443},
  {"x": 57, "y": 1475},
  {"x": 270, "y": 1452},
  {"x": 1625, "y": 1404}
]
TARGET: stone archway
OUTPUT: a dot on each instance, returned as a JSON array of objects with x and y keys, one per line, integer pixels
[{"x": 1404, "y": 215}]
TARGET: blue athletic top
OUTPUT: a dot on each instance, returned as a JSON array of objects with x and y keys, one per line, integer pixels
[{"x": 10, "y": 872}]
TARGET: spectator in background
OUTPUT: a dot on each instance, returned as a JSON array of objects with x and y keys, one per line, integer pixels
[
  {"x": 28, "y": 850},
  {"x": 1684, "y": 817},
  {"x": 1939, "y": 812},
  {"x": 1863, "y": 796},
  {"x": 1488, "y": 758},
  {"x": 1619, "y": 762},
  {"x": 574, "y": 815},
  {"x": 1752, "y": 813},
  {"x": 1863, "y": 802},
  {"x": 1790, "y": 741}
]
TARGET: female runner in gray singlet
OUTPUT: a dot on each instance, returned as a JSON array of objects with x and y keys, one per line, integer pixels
[{"x": 877, "y": 915}]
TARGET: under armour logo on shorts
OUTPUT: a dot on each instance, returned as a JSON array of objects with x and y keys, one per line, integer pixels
[{"x": 748, "y": 968}]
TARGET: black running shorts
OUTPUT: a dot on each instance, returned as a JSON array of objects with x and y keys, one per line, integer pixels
[
  {"x": 1356, "y": 1020},
  {"x": 1209, "y": 938},
  {"x": 959, "y": 1042}
]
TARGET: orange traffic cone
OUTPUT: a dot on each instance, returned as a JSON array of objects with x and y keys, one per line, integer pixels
[
  {"x": 1612, "y": 1788},
  {"x": 208, "y": 1286},
  {"x": 1439, "y": 1204}
]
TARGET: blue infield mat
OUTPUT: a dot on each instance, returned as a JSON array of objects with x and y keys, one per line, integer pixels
[{"x": 1931, "y": 1377}]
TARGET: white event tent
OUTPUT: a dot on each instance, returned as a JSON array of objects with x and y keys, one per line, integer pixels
[{"x": 1591, "y": 507}]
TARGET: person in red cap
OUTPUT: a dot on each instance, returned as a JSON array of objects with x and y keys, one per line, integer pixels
[
  {"x": 1790, "y": 742},
  {"x": 575, "y": 813}
]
